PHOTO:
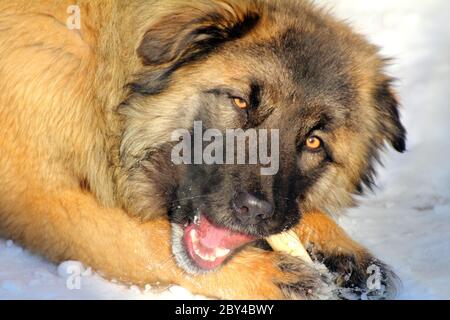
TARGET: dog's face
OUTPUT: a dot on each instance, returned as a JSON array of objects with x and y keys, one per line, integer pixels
[{"x": 252, "y": 66}]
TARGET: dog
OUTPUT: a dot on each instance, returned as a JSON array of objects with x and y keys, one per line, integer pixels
[{"x": 91, "y": 94}]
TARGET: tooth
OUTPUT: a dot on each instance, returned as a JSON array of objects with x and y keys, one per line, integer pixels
[
  {"x": 211, "y": 258},
  {"x": 197, "y": 219},
  {"x": 221, "y": 252},
  {"x": 197, "y": 251},
  {"x": 194, "y": 236},
  {"x": 206, "y": 257}
]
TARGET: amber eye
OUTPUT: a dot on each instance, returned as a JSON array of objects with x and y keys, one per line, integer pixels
[
  {"x": 240, "y": 103},
  {"x": 313, "y": 143}
]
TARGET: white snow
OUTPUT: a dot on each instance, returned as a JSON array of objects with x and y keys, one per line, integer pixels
[{"x": 406, "y": 222}]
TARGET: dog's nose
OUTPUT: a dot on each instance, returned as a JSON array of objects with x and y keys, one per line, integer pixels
[{"x": 251, "y": 209}]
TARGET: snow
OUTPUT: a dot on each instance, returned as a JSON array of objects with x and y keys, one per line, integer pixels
[
  {"x": 406, "y": 222},
  {"x": 26, "y": 276}
]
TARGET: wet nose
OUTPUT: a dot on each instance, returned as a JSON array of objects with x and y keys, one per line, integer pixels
[{"x": 251, "y": 209}]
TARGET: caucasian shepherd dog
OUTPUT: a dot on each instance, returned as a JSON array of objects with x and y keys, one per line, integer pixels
[{"x": 87, "y": 113}]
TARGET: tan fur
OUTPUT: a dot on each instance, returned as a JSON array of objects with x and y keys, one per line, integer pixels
[
  {"x": 53, "y": 110},
  {"x": 320, "y": 231},
  {"x": 62, "y": 193}
]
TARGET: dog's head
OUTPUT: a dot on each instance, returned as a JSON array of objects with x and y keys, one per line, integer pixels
[{"x": 308, "y": 90}]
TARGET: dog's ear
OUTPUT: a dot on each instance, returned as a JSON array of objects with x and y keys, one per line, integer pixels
[
  {"x": 388, "y": 107},
  {"x": 195, "y": 30}
]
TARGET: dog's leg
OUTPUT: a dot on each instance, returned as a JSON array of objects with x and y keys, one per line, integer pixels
[
  {"x": 72, "y": 225},
  {"x": 357, "y": 272}
]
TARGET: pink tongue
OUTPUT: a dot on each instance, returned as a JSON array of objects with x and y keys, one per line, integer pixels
[{"x": 211, "y": 236}]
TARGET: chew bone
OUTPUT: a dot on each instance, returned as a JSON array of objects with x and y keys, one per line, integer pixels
[{"x": 289, "y": 243}]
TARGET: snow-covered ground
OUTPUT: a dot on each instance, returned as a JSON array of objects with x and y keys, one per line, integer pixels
[{"x": 406, "y": 222}]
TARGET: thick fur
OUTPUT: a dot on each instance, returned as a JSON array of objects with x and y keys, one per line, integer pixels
[{"x": 86, "y": 117}]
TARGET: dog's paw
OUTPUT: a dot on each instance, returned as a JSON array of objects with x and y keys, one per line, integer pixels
[
  {"x": 362, "y": 277},
  {"x": 302, "y": 281}
]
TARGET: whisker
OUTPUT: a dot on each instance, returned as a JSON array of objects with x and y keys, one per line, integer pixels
[{"x": 189, "y": 198}]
